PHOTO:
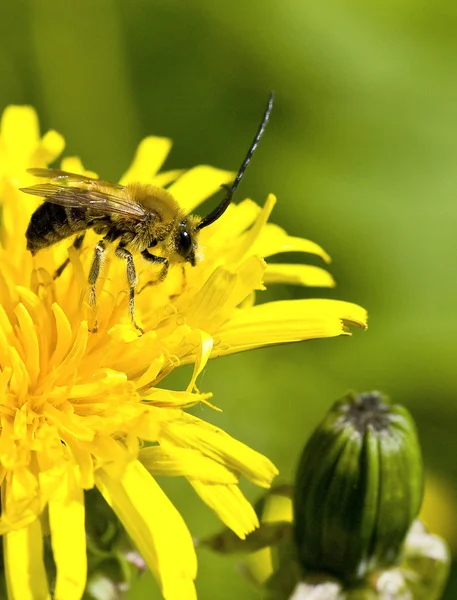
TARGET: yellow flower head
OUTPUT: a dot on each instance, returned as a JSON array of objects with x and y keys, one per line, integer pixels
[{"x": 81, "y": 409}]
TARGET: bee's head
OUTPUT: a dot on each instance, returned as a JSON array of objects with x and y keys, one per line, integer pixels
[{"x": 185, "y": 241}]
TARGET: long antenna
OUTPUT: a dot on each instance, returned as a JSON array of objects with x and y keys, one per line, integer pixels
[{"x": 222, "y": 207}]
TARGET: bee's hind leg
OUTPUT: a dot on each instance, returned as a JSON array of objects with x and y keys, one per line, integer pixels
[
  {"x": 132, "y": 280},
  {"x": 77, "y": 243}
]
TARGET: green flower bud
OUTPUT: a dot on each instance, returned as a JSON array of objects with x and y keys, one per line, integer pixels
[{"x": 358, "y": 487}]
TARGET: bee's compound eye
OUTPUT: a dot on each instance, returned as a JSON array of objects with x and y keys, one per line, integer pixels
[{"x": 184, "y": 243}]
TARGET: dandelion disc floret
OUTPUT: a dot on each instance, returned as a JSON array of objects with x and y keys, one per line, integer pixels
[{"x": 82, "y": 410}]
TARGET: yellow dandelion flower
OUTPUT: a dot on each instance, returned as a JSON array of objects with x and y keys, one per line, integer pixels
[{"x": 80, "y": 409}]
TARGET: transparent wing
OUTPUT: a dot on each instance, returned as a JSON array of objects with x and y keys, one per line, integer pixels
[
  {"x": 96, "y": 196},
  {"x": 64, "y": 177}
]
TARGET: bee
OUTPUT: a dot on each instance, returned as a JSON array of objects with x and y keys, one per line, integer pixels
[{"x": 137, "y": 217}]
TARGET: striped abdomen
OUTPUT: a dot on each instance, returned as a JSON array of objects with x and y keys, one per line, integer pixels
[{"x": 51, "y": 223}]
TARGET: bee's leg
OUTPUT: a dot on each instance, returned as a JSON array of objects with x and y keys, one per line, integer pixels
[
  {"x": 184, "y": 283},
  {"x": 121, "y": 252},
  {"x": 146, "y": 285},
  {"x": 94, "y": 273},
  {"x": 77, "y": 243},
  {"x": 155, "y": 259}
]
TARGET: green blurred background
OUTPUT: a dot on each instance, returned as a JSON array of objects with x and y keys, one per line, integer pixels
[{"x": 361, "y": 151}]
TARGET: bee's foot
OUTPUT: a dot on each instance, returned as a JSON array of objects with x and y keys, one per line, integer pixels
[
  {"x": 146, "y": 285},
  {"x": 94, "y": 329},
  {"x": 137, "y": 327},
  {"x": 58, "y": 272}
]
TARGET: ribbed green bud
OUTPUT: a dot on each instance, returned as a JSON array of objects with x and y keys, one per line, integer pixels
[{"x": 358, "y": 487}]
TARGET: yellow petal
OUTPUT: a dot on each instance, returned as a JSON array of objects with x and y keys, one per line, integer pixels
[
  {"x": 68, "y": 539},
  {"x": 155, "y": 526},
  {"x": 63, "y": 334},
  {"x": 272, "y": 333},
  {"x": 349, "y": 312},
  {"x": 298, "y": 275},
  {"x": 198, "y": 184},
  {"x": 204, "y": 347},
  {"x": 248, "y": 240},
  {"x": 237, "y": 218},
  {"x": 22, "y": 488},
  {"x": 259, "y": 565},
  {"x": 50, "y": 147},
  {"x": 71, "y": 362},
  {"x": 73, "y": 164},
  {"x": 222, "y": 292},
  {"x": 189, "y": 431},
  {"x": 83, "y": 458},
  {"x": 208, "y": 303},
  {"x": 29, "y": 339},
  {"x": 286, "y": 321},
  {"x": 277, "y": 508},
  {"x": 171, "y": 460},
  {"x": 230, "y": 505},
  {"x": 163, "y": 398},
  {"x": 149, "y": 157},
  {"x": 24, "y": 566},
  {"x": 167, "y": 177},
  {"x": 19, "y": 132},
  {"x": 20, "y": 379},
  {"x": 274, "y": 239},
  {"x": 73, "y": 424}
]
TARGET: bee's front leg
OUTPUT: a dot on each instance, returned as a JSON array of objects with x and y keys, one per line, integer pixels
[{"x": 157, "y": 260}]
